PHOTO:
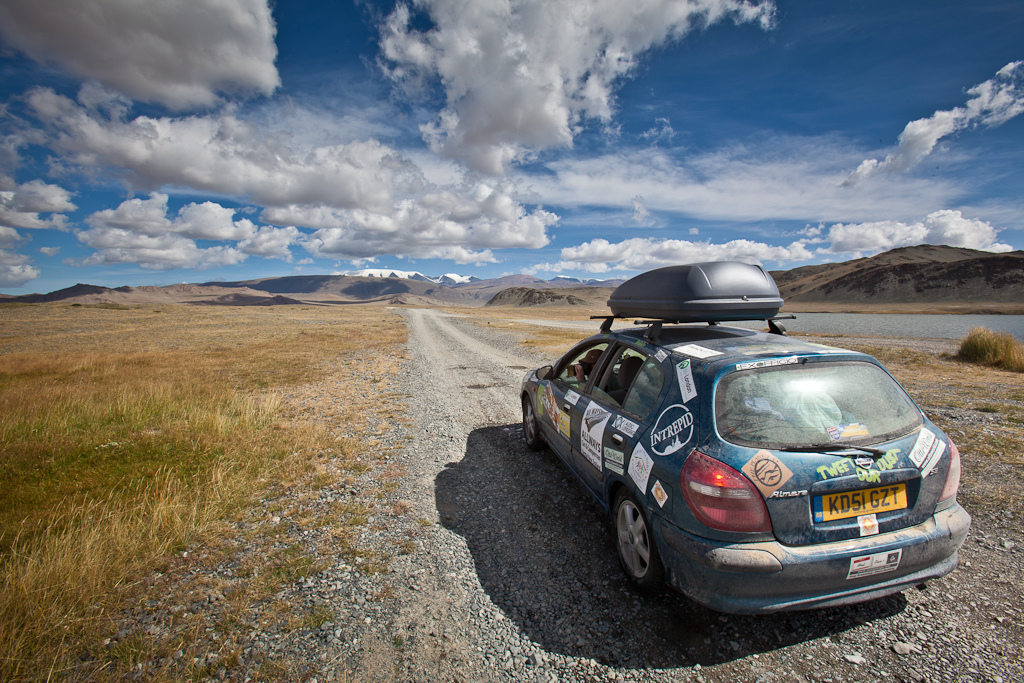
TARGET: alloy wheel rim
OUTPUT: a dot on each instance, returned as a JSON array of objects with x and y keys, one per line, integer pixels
[{"x": 634, "y": 545}]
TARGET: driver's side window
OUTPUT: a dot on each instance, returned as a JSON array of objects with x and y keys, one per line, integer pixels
[{"x": 576, "y": 369}]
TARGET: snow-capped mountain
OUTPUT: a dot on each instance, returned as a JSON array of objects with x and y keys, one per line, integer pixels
[
  {"x": 456, "y": 279},
  {"x": 449, "y": 279},
  {"x": 389, "y": 272}
]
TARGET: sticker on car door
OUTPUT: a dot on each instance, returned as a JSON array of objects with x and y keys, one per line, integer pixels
[
  {"x": 640, "y": 464},
  {"x": 592, "y": 433}
]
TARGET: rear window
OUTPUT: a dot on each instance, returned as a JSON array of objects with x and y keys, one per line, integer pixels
[{"x": 811, "y": 404}]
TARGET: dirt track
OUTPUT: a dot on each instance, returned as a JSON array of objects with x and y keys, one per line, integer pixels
[
  {"x": 520, "y": 580},
  {"x": 511, "y": 574}
]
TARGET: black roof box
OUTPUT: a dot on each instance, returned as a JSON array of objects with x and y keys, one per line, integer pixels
[{"x": 700, "y": 292}]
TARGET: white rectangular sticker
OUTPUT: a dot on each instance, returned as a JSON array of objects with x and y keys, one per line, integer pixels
[
  {"x": 571, "y": 397},
  {"x": 625, "y": 425},
  {"x": 592, "y": 434},
  {"x": 685, "y": 376},
  {"x": 640, "y": 465},
  {"x": 614, "y": 460},
  {"x": 927, "y": 451},
  {"x": 698, "y": 351},
  {"x": 879, "y": 563}
]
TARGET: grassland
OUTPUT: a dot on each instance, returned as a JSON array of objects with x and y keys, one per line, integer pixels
[{"x": 129, "y": 433}]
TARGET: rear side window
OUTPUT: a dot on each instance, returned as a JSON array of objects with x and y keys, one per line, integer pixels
[
  {"x": 646, "y": 389},
  {"x": 812, "y": 404}
]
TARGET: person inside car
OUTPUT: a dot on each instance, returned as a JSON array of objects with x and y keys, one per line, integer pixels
[{"x": 584, "y": 366}]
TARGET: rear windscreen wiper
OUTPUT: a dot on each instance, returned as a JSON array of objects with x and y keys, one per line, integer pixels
[{"x": 832, "y": 447}]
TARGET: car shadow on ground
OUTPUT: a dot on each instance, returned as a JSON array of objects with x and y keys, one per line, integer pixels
[{"x": 545, "y": 555}]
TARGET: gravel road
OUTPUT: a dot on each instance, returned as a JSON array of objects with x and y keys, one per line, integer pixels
[{"x": 513, "y": 574}]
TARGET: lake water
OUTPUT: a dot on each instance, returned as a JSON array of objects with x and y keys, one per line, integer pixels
[{"x": 900, "y": 325}]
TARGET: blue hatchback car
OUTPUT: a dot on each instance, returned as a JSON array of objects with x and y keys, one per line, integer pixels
[{"x": 748, "y": 470}]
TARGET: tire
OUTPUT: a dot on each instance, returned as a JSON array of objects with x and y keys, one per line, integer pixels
[
  {"x": 638, "y": 553},
  {"x": 531, "y": 430}
]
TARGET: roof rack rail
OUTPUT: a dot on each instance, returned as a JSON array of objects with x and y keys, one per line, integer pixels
[{"x": 654, "y": 326}]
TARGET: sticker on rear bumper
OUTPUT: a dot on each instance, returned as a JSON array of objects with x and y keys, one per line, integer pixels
[
  {"x": 868, "y": 525},
  {"x": 879, "y": 563}
]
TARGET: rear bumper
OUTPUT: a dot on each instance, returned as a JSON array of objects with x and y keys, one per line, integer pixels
[{"x": 770, "y": 577}]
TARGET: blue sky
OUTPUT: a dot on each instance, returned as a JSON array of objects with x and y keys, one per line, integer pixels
[{"x": 155, "y": 143}]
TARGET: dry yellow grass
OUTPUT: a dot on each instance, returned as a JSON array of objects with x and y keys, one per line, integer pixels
[
  {"x": 129, "y": 433},
  {"x": 997, "y": 349}
]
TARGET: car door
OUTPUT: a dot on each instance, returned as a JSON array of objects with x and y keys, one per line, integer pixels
[
  {"x": 614, "y": 414},
  {"x": 558, "y": 396}
]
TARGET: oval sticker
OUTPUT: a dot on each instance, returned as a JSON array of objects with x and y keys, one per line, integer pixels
[{"x": 672, "y": 430}]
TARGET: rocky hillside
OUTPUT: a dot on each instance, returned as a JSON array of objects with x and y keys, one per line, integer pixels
[
  {"x": 911, "y": 275},
  {"x": 525, "y": 296}
]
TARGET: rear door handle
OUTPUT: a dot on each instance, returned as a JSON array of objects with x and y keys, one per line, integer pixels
[{"x": 616, "y": 439}]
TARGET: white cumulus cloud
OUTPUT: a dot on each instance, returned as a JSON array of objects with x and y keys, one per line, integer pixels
[
  {"x": 20, "y": 207},
  {"x": 642, "y": 253},
  {"x": 141, "y": 231},
  {"x": 461, "y": 225},
  {"x": 520, "y": 75},
  {"x": 364, "y": 198},
  {"x": 15, "y": 269},
  {"x": 992, "y": 103},
  {"x": 180, "y": 53},
  {"x": 941, "y": 227}
]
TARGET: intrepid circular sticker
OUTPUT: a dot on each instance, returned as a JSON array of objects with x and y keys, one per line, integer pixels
[{"x": 672, "y": 430}]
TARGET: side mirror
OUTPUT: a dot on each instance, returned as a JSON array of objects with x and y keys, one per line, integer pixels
[{"x": 544, "y": 372}]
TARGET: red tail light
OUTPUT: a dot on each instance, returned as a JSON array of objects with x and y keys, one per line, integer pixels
[
  {"x": 721, "y": 497},
  {"x": 953, "y": 476}
]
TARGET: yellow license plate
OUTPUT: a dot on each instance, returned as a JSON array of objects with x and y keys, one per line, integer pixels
[{"x": 856, "y": 503}]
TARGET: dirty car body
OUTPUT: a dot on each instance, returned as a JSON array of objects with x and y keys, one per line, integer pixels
[{"x": 748, "y": 470}]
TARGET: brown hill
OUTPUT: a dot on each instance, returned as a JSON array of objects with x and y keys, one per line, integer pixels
[
  {"x": 357, "y": 289},
  {"x": 250, "y": 299},
  {"x": 924, "y": 274},
  {"x": 525, "y": 296}
]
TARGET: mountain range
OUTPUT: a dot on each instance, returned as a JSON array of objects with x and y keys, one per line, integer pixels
[{"x": 925, "y": 275}]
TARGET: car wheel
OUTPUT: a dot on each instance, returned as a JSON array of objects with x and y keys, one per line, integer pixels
[
  {"x": 531, "y": 432},
  {"x": 638, "y": 554}
]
